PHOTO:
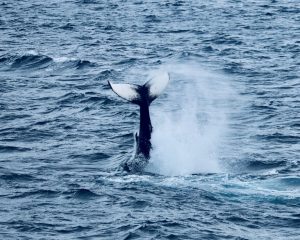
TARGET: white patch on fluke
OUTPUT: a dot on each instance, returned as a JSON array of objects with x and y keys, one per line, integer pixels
[
  {"x": 126, "y": 91},
  {"x": 157, "y": 84}
]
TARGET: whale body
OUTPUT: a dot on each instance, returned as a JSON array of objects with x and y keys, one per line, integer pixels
[{"x": 143, "y": 96}]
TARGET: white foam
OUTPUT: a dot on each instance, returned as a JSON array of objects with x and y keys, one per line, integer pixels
[
  {"x": 32, "y": 52},
  {"x": 63, "y": 59},
  {"x": 190, "y": 123}
]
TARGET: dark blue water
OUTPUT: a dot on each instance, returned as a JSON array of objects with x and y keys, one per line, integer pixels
[{"x": 226, "y": 142}]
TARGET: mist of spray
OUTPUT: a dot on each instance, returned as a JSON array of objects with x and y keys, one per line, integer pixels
[{"x": 190, "y": 121}]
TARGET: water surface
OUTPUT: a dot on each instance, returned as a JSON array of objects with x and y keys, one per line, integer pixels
[{"x": 225, "y": 163}]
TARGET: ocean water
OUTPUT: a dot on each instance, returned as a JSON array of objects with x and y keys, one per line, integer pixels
[{"x": 226, "y": 143}]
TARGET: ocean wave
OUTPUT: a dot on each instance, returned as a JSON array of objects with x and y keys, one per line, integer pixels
[
  {"x": 35, "y": 61},
  {"x": 10, "y": 149},
  {"x": 27, "y": 61},
  {"x": 13, "y": 176},
  {"x": 45, "y": 193},
  {"x": 279, "y": 138},
  {"x": 260, "y": 164},
  {"x": 92, "y": 157},
  {"x": 83, "y": 193}
]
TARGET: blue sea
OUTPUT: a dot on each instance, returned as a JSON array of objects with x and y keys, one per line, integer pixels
[{"x": 225, "y": 162}]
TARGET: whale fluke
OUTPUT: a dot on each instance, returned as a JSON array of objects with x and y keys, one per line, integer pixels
[{"x": 138, "y": 94}]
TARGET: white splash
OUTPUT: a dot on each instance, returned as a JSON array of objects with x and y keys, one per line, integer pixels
[
  {"x": 63, "y": 59},
  {"x": 190, "y": 122}
]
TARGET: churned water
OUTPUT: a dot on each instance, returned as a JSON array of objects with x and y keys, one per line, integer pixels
[{"x": 226, "y": 143}]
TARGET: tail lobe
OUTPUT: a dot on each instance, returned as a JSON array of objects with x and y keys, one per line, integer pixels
[
  {"x": 156, "y": 85},
  {"x": 128, "y": 92},
  {"x": 136, "y": 93}
]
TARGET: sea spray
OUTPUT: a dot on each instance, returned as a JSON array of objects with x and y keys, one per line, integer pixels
[{"x": 189, "y": 132}]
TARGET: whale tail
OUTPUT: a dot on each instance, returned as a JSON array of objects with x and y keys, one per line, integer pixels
[{"x": 138, "y": 94}]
